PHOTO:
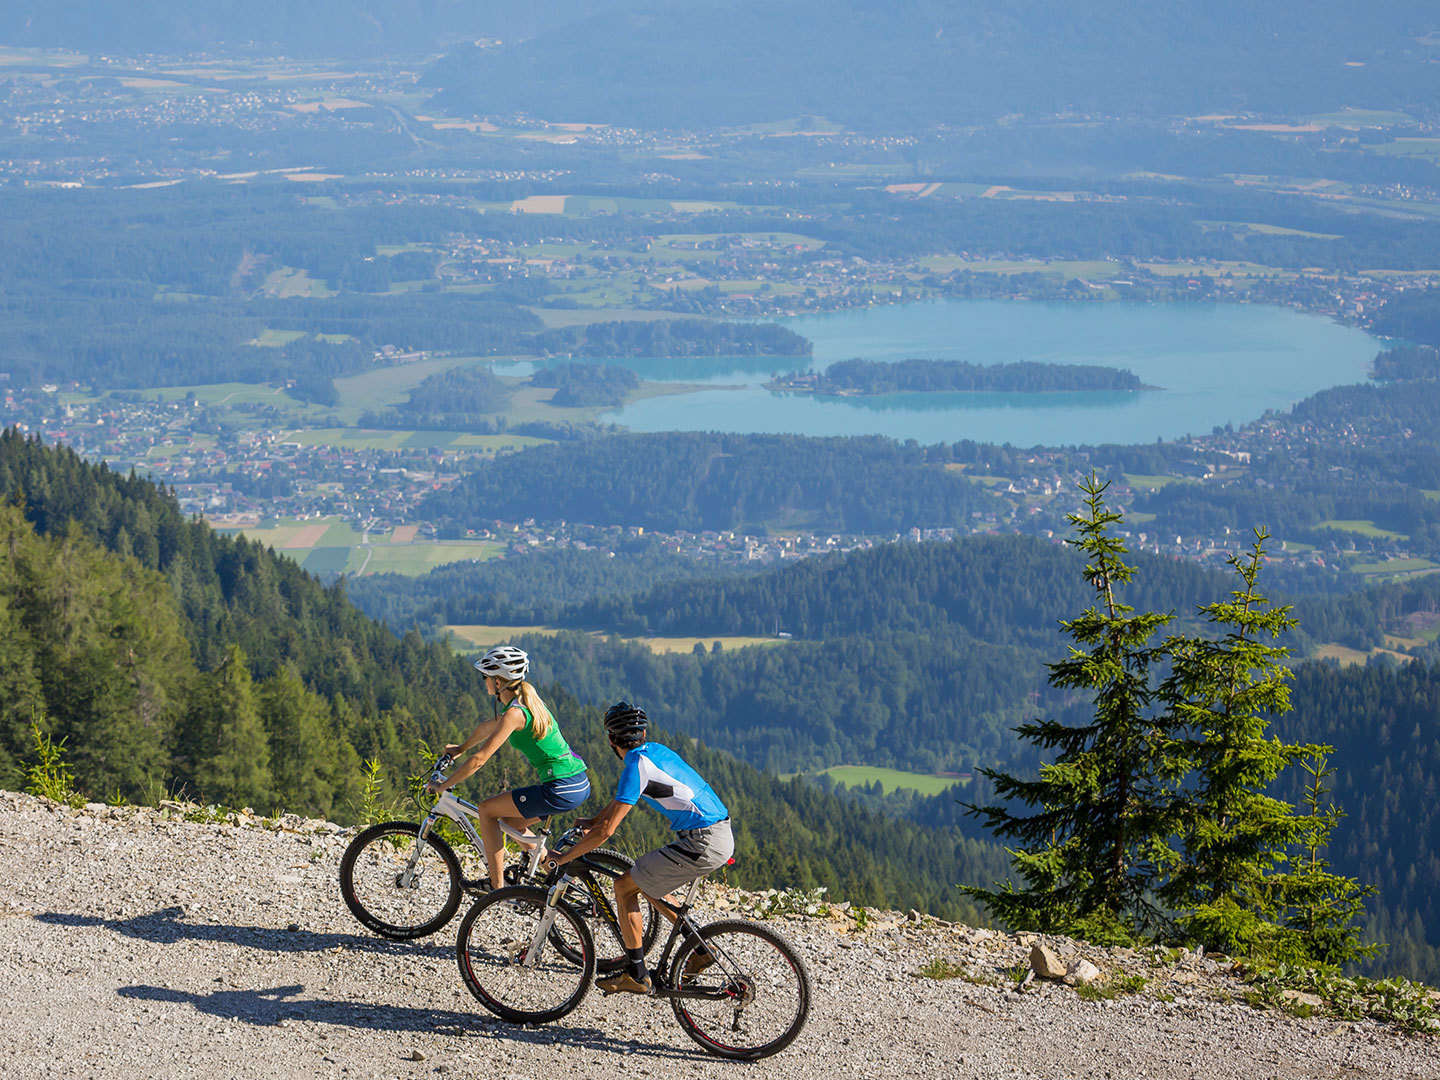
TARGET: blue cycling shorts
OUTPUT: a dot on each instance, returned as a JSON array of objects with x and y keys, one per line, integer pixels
[{"x": 552, "y": 797}]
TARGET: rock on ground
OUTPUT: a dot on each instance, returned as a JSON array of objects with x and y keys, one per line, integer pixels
[{"x": 136, "y": 944}]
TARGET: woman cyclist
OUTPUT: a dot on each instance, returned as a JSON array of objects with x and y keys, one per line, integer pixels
[{"x": 525, "y": 723}]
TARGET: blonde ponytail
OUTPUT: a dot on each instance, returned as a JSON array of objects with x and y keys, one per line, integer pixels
[{"x": 540, "y": 718}]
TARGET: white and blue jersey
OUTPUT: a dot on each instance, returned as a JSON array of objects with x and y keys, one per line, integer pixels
[{"x": 662, "y": 778}]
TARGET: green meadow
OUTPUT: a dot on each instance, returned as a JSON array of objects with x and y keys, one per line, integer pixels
[{"x": 892, "y": 779}]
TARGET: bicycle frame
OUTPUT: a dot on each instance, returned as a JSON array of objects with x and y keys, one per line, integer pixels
[
  {"x": 680, "y": 926},
  {"x": 461, "y": 811}
]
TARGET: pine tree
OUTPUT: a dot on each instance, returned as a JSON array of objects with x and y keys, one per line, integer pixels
[
  {"x": 301, "y": 754},
  {"x": 1234, "y": 836},
  {"x": 1089, "y": 858},
  {"x": 1324, "y": 909},
  {"x": 227, "y": 741}
]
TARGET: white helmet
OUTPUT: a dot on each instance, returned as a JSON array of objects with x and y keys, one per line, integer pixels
[{"x": 505, "y": 662}]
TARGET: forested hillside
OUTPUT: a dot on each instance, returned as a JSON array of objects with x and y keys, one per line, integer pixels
[
  {"x": 528, "y": 590},
  {"x": 695, "y": 481},
  {"x": 882, "y": 644},
  {"x": 1385, "y": 726},
  {"x": 170, "y": 658}
]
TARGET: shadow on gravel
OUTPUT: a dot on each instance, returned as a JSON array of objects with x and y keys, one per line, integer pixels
[
  {"x": 268, "y": 1008},
  {"x": 168, "y": 925}
]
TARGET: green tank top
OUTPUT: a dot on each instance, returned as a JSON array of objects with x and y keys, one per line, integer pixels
[{"x": 551, "y": 756}]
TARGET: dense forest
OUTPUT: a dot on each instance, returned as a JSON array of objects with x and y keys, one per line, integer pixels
[
  {"x": 697, "y": 481},
  {"x": 526, "y": 590},
  {"x": 168, "y": 658},
  {"x": 924, "y": 376},
  {"x": 1413, "y": 315},
  {"x": 579, "y": 385}
]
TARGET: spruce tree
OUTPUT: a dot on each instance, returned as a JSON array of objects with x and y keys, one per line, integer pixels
[
  {"x": 1088, "y": 858},
  {"x": 1233, "y": 837},
  {"x": 1322, "y": 908},
  {"x": 231, "y": 754}
]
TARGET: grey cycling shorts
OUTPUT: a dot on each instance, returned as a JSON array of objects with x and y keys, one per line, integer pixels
[{"x": 692, "y": 854}]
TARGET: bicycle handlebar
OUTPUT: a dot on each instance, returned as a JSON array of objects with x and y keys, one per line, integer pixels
[{"x": 441, "y": 767}]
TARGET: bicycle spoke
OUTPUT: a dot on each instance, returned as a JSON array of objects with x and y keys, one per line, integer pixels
[
  {"x": 396, "y": 884},
  {"x": 512, "y": 965}
]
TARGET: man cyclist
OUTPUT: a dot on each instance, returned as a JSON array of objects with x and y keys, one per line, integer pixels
[{"x": 703, "y": 839}]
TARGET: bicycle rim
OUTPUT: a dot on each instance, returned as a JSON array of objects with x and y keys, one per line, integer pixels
[
  {"x": 758, "y": 991},
  {"x": 494, "y": 949},
  {"x": 398, "y": 885}
]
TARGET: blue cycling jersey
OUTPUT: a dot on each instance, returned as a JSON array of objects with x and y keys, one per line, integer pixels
[{"x": 662, "y": 778}]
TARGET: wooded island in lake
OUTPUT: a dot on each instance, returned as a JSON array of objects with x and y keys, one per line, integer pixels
[{"x": 855, "y": 377}]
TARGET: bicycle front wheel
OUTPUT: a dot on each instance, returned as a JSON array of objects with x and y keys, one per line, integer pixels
[
  {"x": 750, "y": 999},
  {"x": 509, "y": 959},
  {"x": 398, "y": 885}
]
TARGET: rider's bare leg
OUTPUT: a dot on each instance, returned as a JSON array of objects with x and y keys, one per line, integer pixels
[
  {"x": 492, "y": 811},
  {"x": 627, "y": 908}
]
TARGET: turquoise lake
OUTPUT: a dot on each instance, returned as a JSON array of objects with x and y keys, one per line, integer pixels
[{"x": 1213, "y": 364}]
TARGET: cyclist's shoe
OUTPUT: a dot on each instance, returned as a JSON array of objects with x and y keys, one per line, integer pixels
[
  {"x": 698, "y": 962},
  {"x": 476, "y": 885},
  {"x": 625, "y": 983}
]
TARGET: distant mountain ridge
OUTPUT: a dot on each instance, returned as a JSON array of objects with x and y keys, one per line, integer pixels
[
  {"x": 315, "y": 28},
  {"x": 916, "y": 63},
  {"x": 901, "y": 64}
]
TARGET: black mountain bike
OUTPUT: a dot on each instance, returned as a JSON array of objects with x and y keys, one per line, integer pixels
[{"x": 738, "y": 988}]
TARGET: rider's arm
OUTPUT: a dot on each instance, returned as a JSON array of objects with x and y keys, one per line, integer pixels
[
  {"x": 510, "y": 720},
  {"x": 482, "y": 731},
  {"x": 602, "y": 827}
]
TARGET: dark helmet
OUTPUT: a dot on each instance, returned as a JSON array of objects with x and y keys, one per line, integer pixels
[{"x": 623, "y": 722}]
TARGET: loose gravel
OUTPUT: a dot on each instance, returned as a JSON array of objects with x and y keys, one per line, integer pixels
[{"x": 139, "y": 944}]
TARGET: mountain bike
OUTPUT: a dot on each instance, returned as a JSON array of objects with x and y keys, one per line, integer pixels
[
  {"x": 403, "y": 880},
  {"x": 738, "y": 988}
]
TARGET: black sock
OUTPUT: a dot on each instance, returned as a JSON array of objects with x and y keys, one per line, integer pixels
[{"x": 637, "y": 964}]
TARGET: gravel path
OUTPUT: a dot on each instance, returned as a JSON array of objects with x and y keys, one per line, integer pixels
[{"x": 136, "y": 946}]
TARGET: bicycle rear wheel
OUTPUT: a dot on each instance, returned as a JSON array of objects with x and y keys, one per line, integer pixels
[
  {"x": 751, "y": 1001},
  {"x": 510, "y": 962},
  {"x": 398, "y": 885}
]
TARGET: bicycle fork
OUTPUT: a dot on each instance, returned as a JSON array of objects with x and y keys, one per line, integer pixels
[
  {"x": 531, "y": 956},
  {"x": 409, "y": 878}
]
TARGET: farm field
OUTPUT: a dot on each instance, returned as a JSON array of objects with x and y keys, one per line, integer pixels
[
  {"x": 1097, "y": 268},
  {"x": 1361, "y": 528},
  {"x": 479, "y": 636},
  {"x": 332, "y": 546},
  {"x": 372, "y": 439},
  {"x": 391, "y": 385},
  {"x": 1394, "y": 569},
  {"x": 892, "y": 779},
  {"x": 554, "y": 318},
  {"x": 687, "y": 644},
  {"x": 1345, "y": 656},
  {"x": 226, "y": 394},
  {"x": 1139, "y": 480}
]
